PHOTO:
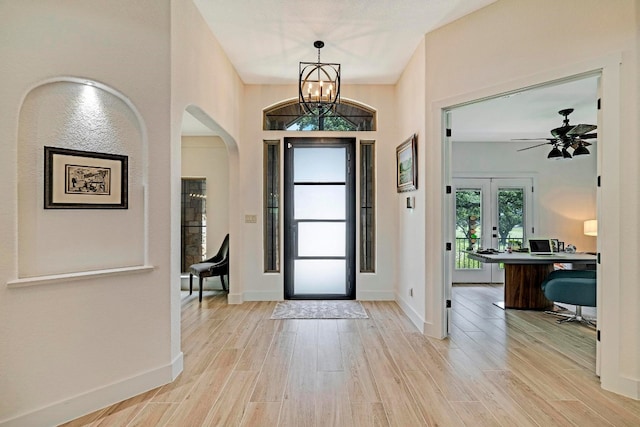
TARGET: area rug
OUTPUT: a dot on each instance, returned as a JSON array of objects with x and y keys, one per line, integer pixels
[{"x": 319, "y": 310}]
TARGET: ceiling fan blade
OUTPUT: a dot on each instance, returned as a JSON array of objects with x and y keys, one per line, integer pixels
[
  {"x": 581, "y": 129},
  {"x": 534, "y": 146},
  {"x": 551, "y": 140},
  {"x": 562, "y": 131},
  {"x": 588, "y": 136}
]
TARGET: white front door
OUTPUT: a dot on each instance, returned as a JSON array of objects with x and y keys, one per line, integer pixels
[{"x": 490, "y": 213}]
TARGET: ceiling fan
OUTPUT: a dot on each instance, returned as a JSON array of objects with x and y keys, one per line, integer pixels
[{"x": 565, "y": 137}]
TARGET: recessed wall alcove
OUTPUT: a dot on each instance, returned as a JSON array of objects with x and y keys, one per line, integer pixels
[{"x": 80, "y": 115}]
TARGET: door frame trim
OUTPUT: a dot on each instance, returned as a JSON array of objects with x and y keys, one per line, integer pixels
[{"x": 289, "y": 257}]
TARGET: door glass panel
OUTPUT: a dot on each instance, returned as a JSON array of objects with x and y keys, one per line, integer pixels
[
  {"x": 321, "y": 239},
  {"x": 511, "y": 206},
  {"x": 468, "y": 226},
  {"x": 319, "y": 202},
  {"x": 320, "y": 276},
  {"x": 319, "y": 164}
]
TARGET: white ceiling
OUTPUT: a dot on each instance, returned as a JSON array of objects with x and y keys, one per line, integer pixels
[
  {"x": 373, "y": 41},
  {"x": 527, "y": 114}
]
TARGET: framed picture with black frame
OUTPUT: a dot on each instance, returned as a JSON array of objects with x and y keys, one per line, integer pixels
[
  {"x": 76, "y": 179},
  {"x": 407, "y": 165}
]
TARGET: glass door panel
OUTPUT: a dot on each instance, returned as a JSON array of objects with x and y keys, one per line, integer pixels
[
  {"x": 319, "y": 201},
  {"x": 319, "y": 277},
  {"x": 471, "y": 209},
  {"x": 319, "y": 164},
  {"x": 511, "y": 219},
  {"x": 321, "y": 239}
]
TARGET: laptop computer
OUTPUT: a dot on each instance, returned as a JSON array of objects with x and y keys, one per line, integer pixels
[{"x": 541, "y": 247}]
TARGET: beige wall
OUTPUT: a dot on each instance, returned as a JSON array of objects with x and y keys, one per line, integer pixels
[
  {"x": 73, "y": 342},
  {"x": 498, "y": 49},
  {"x": 270, "y": 286},
  {"x": 410, "y": 116}
]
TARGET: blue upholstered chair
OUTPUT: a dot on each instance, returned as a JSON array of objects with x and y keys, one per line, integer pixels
[
  {"x": 576, "y": 287},
  {"x": 217, "y": 265}
]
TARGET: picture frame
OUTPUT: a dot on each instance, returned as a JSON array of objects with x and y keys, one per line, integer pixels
[
  {"x": 555, "y": 245},
  {"x": 407, "y": 165},
  {"x": 75, "y": 179}
]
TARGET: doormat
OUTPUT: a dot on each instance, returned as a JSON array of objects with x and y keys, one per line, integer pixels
[{"x": 319, "y": 310}]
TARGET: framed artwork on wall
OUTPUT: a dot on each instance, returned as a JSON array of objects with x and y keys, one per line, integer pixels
[
  {"x": 407, "y": 165},
  {"x": 76, "y": 179}
]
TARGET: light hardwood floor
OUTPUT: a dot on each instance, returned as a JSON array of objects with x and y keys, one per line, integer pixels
[{"x": 498, "y": 368}]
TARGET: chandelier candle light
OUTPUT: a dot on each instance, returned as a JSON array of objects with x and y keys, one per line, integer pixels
[{"x": 318, "y": 85}]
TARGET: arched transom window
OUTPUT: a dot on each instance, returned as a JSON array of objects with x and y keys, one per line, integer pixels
[{"x": 348, "y": 116}]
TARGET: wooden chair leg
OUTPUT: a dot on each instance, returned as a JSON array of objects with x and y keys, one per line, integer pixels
[
  {"x": 190, "y": 283},
  {"x": 200, "y": 297}
]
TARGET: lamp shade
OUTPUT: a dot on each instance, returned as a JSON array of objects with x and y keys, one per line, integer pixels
[
  {"x": 591, "y": 227},
  {"x": 555, "y": 153}
]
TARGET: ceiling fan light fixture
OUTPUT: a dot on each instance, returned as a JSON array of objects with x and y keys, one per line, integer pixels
[
  {"x": 565, "y": 137},
  {"x": 318, "y": 85},
  {"x": 555, "y": 153},
  {"x": 581, "y": 150}
]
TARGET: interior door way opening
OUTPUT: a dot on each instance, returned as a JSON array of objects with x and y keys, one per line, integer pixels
[
  {"x": 319, "y": 218},
  {"x": 592, "y": 98}
]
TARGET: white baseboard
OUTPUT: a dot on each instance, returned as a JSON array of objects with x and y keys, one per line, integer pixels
[
  {"x": 625, "y": 386},
  {"x": 413, "y": 315},
  {"x": 430, "y": 330},
  {"x": 263, "y": 296},
  {"x": 375, "y": 295},
  {"x": 233, "y": 298},
  {"x": 82, "y": 404}
]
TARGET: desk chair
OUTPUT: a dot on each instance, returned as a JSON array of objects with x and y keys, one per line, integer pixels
[
  {"x": 576, "y": 287},
  {"x": 217, "y": 265}
]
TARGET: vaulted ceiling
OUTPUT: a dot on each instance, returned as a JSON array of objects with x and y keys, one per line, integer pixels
[{"x": 373, "y": 41}]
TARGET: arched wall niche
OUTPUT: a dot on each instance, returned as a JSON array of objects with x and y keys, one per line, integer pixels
[{"x": 79, "y": 114}]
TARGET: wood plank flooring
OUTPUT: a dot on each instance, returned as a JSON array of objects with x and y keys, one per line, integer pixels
[{"x": 498, "y": 368}]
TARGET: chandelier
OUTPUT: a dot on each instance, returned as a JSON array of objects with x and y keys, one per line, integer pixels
[{"x": 318, "y": 85}]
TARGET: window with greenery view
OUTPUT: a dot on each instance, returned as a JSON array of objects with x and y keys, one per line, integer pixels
[{"x": 347, "y": 116}]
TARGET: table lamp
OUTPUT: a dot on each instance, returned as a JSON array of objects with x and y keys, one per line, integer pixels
[{"x": 591, "y": 227}]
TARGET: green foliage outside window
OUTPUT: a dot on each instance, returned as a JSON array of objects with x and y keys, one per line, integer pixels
[{"x": 311, "y": 122}]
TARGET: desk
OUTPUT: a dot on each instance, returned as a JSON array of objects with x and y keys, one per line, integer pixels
[{"x": 523, "y": 274}]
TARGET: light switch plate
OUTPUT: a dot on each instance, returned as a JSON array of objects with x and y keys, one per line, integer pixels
[{"x": 251, "y": 219}]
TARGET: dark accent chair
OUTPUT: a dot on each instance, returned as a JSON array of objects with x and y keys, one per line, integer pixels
[
  {"x": 576, "y": 287},
  {"x": 215, "y": 266}
]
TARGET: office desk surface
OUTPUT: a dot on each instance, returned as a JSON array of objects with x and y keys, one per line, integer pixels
[
  {"x": 526, "y": 258},
  {"x": 525, "y": 272}
]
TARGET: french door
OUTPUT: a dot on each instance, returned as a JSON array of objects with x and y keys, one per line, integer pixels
[
  {"x": 319, "y": 231},
  {"x": 490, "y": 213}
]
